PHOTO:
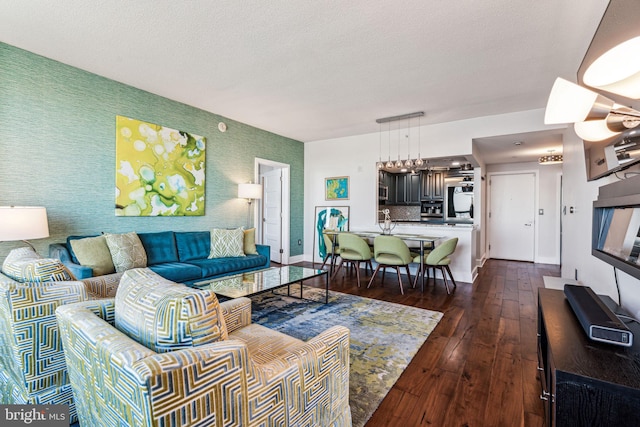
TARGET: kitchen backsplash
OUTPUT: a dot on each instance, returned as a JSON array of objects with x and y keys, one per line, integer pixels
[{"x": 403, "y": 213}]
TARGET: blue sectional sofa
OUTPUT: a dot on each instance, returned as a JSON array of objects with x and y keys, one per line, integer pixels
[{"x": 177, "y": 256}]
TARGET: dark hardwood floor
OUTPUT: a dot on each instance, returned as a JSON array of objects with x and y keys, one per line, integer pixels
[{"x": 478, "y": 367}]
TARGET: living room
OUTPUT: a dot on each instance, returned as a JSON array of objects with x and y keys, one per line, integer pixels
[{"x": 58, "y": 147}]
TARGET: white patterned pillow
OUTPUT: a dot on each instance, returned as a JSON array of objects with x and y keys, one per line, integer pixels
[
  {"x": 25, "y": 265},
  {"x": 227, "y": 243},
  {"x": 126, "y": 250},
  {"x": 164, "y": 315}
]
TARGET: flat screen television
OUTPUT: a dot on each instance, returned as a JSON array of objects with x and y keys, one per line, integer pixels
[
  {"x": 616, "y": 225},
  {"x": 603, "y": 158}
]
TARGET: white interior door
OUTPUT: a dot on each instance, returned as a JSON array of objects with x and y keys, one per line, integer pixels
[
  {"x": 272, "y": 213},
  {"x": 512, "y": 216}
]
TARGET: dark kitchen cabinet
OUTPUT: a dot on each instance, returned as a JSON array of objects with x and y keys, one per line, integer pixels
[
  {"x": 432, "y": 185},
  {"x": 406, "y": 189}
]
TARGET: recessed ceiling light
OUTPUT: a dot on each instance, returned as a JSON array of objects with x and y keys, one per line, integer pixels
[
  {"x": 455, "y": 163},
  {"x": 518, "y": 143}
]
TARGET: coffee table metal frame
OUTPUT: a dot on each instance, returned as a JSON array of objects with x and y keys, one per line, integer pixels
[{"x": 260, "y": 281}]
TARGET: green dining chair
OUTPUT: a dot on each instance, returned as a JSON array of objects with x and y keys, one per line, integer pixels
[
  {"x": 439, "y": 258},
  {"x": 391, "y": 251},
  {"x": 353, "y": 251},
  {"x": 332, "y": 251}
]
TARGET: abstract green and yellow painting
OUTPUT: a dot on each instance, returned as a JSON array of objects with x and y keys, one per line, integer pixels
[
  {"x": 159, "y": 170},
  {"x": 337, "y": 188}
]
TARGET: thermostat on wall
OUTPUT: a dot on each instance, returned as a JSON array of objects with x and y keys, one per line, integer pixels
[{"x": 222, "y": 127}]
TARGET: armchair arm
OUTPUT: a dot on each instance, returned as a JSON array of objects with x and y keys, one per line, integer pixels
[
  {"x": 236, "y": 313},
  {"x": 319, "y": 368},
  {"x": 59, "y": 251}
]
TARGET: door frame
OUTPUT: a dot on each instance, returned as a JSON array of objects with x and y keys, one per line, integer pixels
[
  {"x": 285, "y": 231},
  {"x": 535, "y": 207}
]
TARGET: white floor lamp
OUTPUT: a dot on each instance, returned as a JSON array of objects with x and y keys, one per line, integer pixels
[{"x": 250, "y": 192}]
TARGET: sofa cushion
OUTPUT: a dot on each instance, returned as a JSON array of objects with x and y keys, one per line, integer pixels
[
  {"x": 227, "y": 243},
  {"x": 160, "y": 247},
  {"x": 126, "y": 251},
  {"x": 25, "y": 265},
  {"x": 217, "y": 266},
  {"x": 70, "y": 248},
  {"x": 177, "y": 271},
  {"x": 193, "y": 245},
  {"x": 93, "y": 252},
  {"x": 250, "y": 242},
  {"x": 164, "y": 315}
]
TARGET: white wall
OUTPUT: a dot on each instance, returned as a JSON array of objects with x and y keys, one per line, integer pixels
[{"x": 356, "y": 157}]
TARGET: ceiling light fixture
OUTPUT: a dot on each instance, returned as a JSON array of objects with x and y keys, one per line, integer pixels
[
  {"x": 550, "y": 159},
  {"x": 389, "y": 162},
  {"x": 380, "y": 163},
  {"x": 571, "y": 103},
  {"x": 408, "y": 163},
  {"x": 419, "y": 162},
  {"x": 399, "y": 163}
]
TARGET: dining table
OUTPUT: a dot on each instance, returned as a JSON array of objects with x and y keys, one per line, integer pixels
[{"x": 366, "y": 234}]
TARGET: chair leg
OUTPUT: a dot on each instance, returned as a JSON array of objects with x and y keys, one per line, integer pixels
[
  {"x": 451, "y": 276},
  {"x": 384, "y": 273},
  {"x": 325, "y": 261},
  {"x": 444, "y": 279},
  {"x": 358, "y": 271},
  {"x": 337, "y": 269},
  {"x": 373, "y": 276},
  {"x": 399, "y": 279},
  {"x": 408, "y": 273},
  {"x": 415, "y": 280}
]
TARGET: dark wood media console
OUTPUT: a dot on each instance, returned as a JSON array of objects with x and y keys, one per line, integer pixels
[{"x": 584, "y": 382}]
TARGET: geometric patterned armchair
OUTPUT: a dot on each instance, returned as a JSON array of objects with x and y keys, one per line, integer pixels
[
  {"x": 32, "y": 368},
  {"x": 161, "y": 353},
  {"x": 32, "y": 365}
]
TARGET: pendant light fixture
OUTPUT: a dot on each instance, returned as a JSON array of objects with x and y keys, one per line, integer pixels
[
  {"x": 389, "y": 162},
  {"x": 408, "y": 163},
  {"x": 419, "y": 161},
  {"x": 380, "y": 164},
  {"x": 398, "y": 162}
]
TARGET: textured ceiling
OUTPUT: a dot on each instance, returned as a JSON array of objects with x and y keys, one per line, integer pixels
[{"x": 313, "y": 70}]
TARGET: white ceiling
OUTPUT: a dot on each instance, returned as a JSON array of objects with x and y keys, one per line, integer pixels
[{"x": 313, "y": 70}]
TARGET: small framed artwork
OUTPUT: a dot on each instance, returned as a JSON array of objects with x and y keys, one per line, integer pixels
[{"x": 336, "y": 188}]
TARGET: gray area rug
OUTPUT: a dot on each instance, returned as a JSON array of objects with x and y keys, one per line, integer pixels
[{"x": 384, "y": 336}]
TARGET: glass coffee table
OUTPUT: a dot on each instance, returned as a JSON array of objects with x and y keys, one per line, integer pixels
[{"x": 259, "y": 281}]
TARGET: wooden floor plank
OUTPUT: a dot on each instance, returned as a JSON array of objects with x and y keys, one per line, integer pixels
[{"x": 478, "y": 367}]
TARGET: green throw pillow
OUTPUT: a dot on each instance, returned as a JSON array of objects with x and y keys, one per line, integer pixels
[
  {"x": 126, "y": 251},
  {"x": 250, "y": 242},
  {"x": 227, "y": 243},
  {"x": 93, "y": 252}
]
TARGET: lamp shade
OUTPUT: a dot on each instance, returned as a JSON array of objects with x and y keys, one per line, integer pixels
[
  {"x": 617, "y": 70},
  {"x": 594, "y": 130},
  {"x": 250, "y": 191},
  {"x": 570, "y": 103},
  {"x": 23, "y": 223}
]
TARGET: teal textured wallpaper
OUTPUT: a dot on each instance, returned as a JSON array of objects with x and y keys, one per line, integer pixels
[{"x": 57, "y": 149}]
